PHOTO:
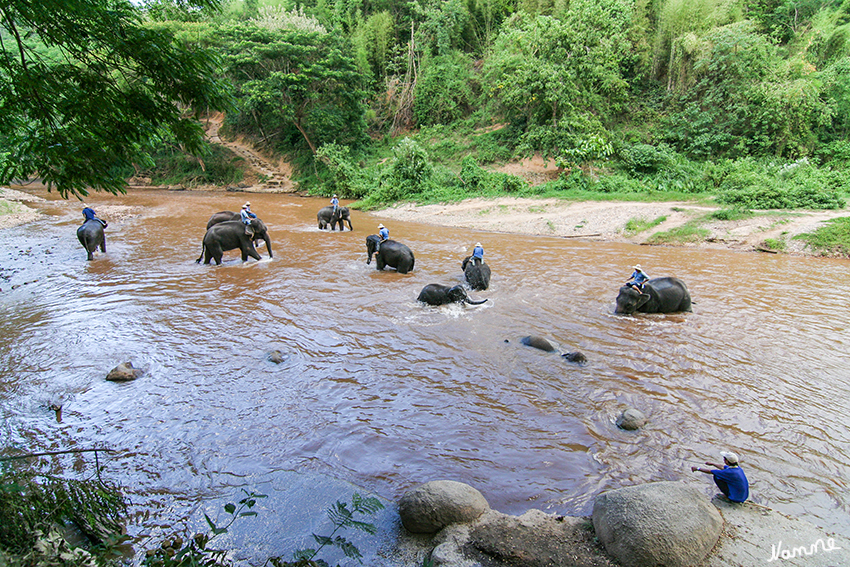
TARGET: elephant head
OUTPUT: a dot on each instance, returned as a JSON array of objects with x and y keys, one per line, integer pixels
[
  {"x": 630, "y": 300},
  {"x": 261, "y": 231},
  {"x": 371, "y": 246}
]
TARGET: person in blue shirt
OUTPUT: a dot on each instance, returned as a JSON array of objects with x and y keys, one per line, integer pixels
[
  {"x": 335, "y": 203},
  {"x": 383, "y": 234},
  {"x": 89, "y": 214},
  {"x": 478, "y": 253},
  {"x": 638, "y": 278},
  {"x": 729, "y": 477},
  {"x": 246, "y": 216}
]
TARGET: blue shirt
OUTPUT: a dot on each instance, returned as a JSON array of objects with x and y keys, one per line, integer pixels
[
  {"x": 335, "y": 202},
  {"x": 89, "y": 213},
  {"x": 736, "y": 480},
  {"x": 478, "y": 252},
  {"x": 384, "y": 233},
  {"x": 639, "y": 277},
  {"x": 247, "y": 215}
]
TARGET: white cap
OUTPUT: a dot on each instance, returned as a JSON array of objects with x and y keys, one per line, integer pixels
[{"x": 730, "y": 457}]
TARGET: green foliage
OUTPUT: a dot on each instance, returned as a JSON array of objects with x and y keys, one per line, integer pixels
[
  {"x": 407, "y": 174},
  {"x": 748, "y": 184},
  {"x": 645, "y": 158},
  {"x": 636, "y": 225},
  {"x": 172, "y": 166},
  {"x": 730, "y": 214},
  {"x": 342, "y": 517},
  {"x": 689, "y": 232},
  {"x": 833, "y": 239},
  {"x": 444, "y": 90},
  {"x": 86, "y": 88},
  {"x": 774, "y": 244},
  {"x": 346, "y": 178},
  {"x": 195, "y": 551},
  {"x": 32, "y": 505},
  {"x": 373, "y": 41}
]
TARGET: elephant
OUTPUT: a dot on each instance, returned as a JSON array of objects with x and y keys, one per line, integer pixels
[
  {"x": 91, "y": 236},
  {"x": 229, "y": 235},
  {"x": 436, "y": 294},
  {"x": 391, "y": 253},
  {"x": 660, "y": 295},
  {"x": 476, "y": 272},
  {"x": 328, "y": 217},
  {"x": 223, "y": 216}
]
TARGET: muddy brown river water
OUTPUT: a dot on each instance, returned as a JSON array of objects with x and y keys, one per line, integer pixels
[{"x": 385, "y": 393}]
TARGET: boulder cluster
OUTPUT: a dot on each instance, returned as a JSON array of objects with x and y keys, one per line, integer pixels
[{"x": 659, "y": 523}]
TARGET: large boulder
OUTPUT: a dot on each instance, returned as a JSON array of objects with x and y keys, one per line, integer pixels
[
  {"x": 659, "y": 523},
  {"x": 430, "y": 507}
]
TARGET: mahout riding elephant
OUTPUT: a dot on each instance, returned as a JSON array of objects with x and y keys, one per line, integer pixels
[
  {"x": 229, "y": 235},
  {"x": 328, "y": 217},
  {"x": 391, "y": 253},
  {"x": 90, "y": 235},
  {"x": 476, "y": 272},
  {"x": 436, "y": 294},
  {"x": 660, "y": 295}
]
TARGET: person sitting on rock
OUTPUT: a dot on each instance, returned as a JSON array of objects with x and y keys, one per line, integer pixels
[
  {"x": 729, "y": 477},
  {"x": 638, "y": 279},
  {"x": 477, "y": 253},
  {"x": 89, "y": 214}
]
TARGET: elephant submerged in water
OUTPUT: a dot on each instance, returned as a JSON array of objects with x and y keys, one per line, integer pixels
[
  {"x": 328, "y": 217},
  {"x": 476, "y": 272},
  {"x": 91, "y": 236},
  {"x": 225, "y": 216},
  {"x": 389, "y": 253},
  {"x": 229, "y": 235},
  {"x": 660, "y": 295},
  {"x": 437, "y": 294}
]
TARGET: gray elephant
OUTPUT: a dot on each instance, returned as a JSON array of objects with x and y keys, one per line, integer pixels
[
  {"x": 436, "y": 294},
  {"x": 660, "y": 295},
  {"x": 540, "y": 343},
  {"x": 230, "y": 235},
  {"x": 328, "y": 217},
  {"x": 223, "y": 216},
  {"x": 391, "y": 253},
  {"x": 476, "y": 272},
  {"x": 91, "y": 236}
]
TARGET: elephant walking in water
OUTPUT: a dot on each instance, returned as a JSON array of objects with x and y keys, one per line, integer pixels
[
  {"x": 476, "y": 272},
  {"x": 660, "y": 295},
  {"x": 389, "y": 253},
  {"x": 437, "y": 294},
  {"x": 229, "y": 235},
  {"x": 328, "y": 217},
  {"x": 91, "y": 236}
]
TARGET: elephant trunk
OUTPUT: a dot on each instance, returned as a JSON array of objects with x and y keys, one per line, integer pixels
[
  {"x": 268, "y": 244},
  {"x": 473, "y": 302}
]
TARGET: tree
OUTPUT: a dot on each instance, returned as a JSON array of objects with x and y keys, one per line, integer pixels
[{"x": 86, "y": 89}]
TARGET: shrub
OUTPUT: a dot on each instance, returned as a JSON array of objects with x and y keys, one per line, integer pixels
[
  {"x": 832, "y": 239},
  {"x": 645, "y": 158}
]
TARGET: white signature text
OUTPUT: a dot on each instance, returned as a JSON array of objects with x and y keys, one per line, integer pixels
[{"x": 776, "y": 551}]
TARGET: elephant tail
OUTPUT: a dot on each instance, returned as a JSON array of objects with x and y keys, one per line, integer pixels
[{"x": 203, "y": 249}]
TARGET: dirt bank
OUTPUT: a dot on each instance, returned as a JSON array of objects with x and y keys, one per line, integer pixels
[{"x": 609, "y": 221}]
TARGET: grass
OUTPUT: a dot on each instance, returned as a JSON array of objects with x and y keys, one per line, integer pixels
[
  {"x": 777, "y": 245},
  {"x": 636, "y": 225},
  {"x": 10, "y": 208},
  {"x": 689, "y": 232},
  {"x": 832, "y": 239}
]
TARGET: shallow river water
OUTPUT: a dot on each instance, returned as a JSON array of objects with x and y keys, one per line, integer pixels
[{"x": 385, "y": 393}]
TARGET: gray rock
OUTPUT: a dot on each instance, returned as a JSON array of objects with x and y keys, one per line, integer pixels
[
  {"x": 124, "y": 372},
  {"x": 631, "y": 419},
  {"x": 434, "y": 505},
  {"x": 576, "y": 357},
  {"x": 659, "y": 523},
  {"x": 277, "y": 357}
]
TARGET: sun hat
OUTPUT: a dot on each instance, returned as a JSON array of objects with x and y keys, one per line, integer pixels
[
  {"x": 380, "y": 226},
  {"x": 477, "y": 244},
  {"x": 637, "y": 267},
  {"x": 730, "y": 457}
]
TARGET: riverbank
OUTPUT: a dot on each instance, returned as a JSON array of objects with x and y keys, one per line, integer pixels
[{"x": 668, "y": 223}]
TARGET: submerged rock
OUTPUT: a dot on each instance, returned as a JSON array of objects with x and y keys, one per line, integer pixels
[{"x": 124, "y": 372}]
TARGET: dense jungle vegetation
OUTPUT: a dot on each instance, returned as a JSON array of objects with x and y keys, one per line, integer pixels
[
  {"x": 746, "y": 101},
  {"x": 743, "y": 101}
]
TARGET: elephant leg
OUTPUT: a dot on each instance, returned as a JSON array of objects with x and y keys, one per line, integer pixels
[{"x": 103, "y": 244}]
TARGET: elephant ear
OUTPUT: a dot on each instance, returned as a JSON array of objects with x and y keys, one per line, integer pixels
[{"x": 642, "y": 299}]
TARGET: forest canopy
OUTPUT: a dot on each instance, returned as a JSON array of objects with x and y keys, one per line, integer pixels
[{"x": 627, "y": 95}]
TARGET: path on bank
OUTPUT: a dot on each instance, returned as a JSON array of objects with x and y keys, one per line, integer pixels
[{"x": 270, "y": 177}]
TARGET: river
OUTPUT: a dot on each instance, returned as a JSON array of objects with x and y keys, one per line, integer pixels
[{"x": 382, "y": 392}]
